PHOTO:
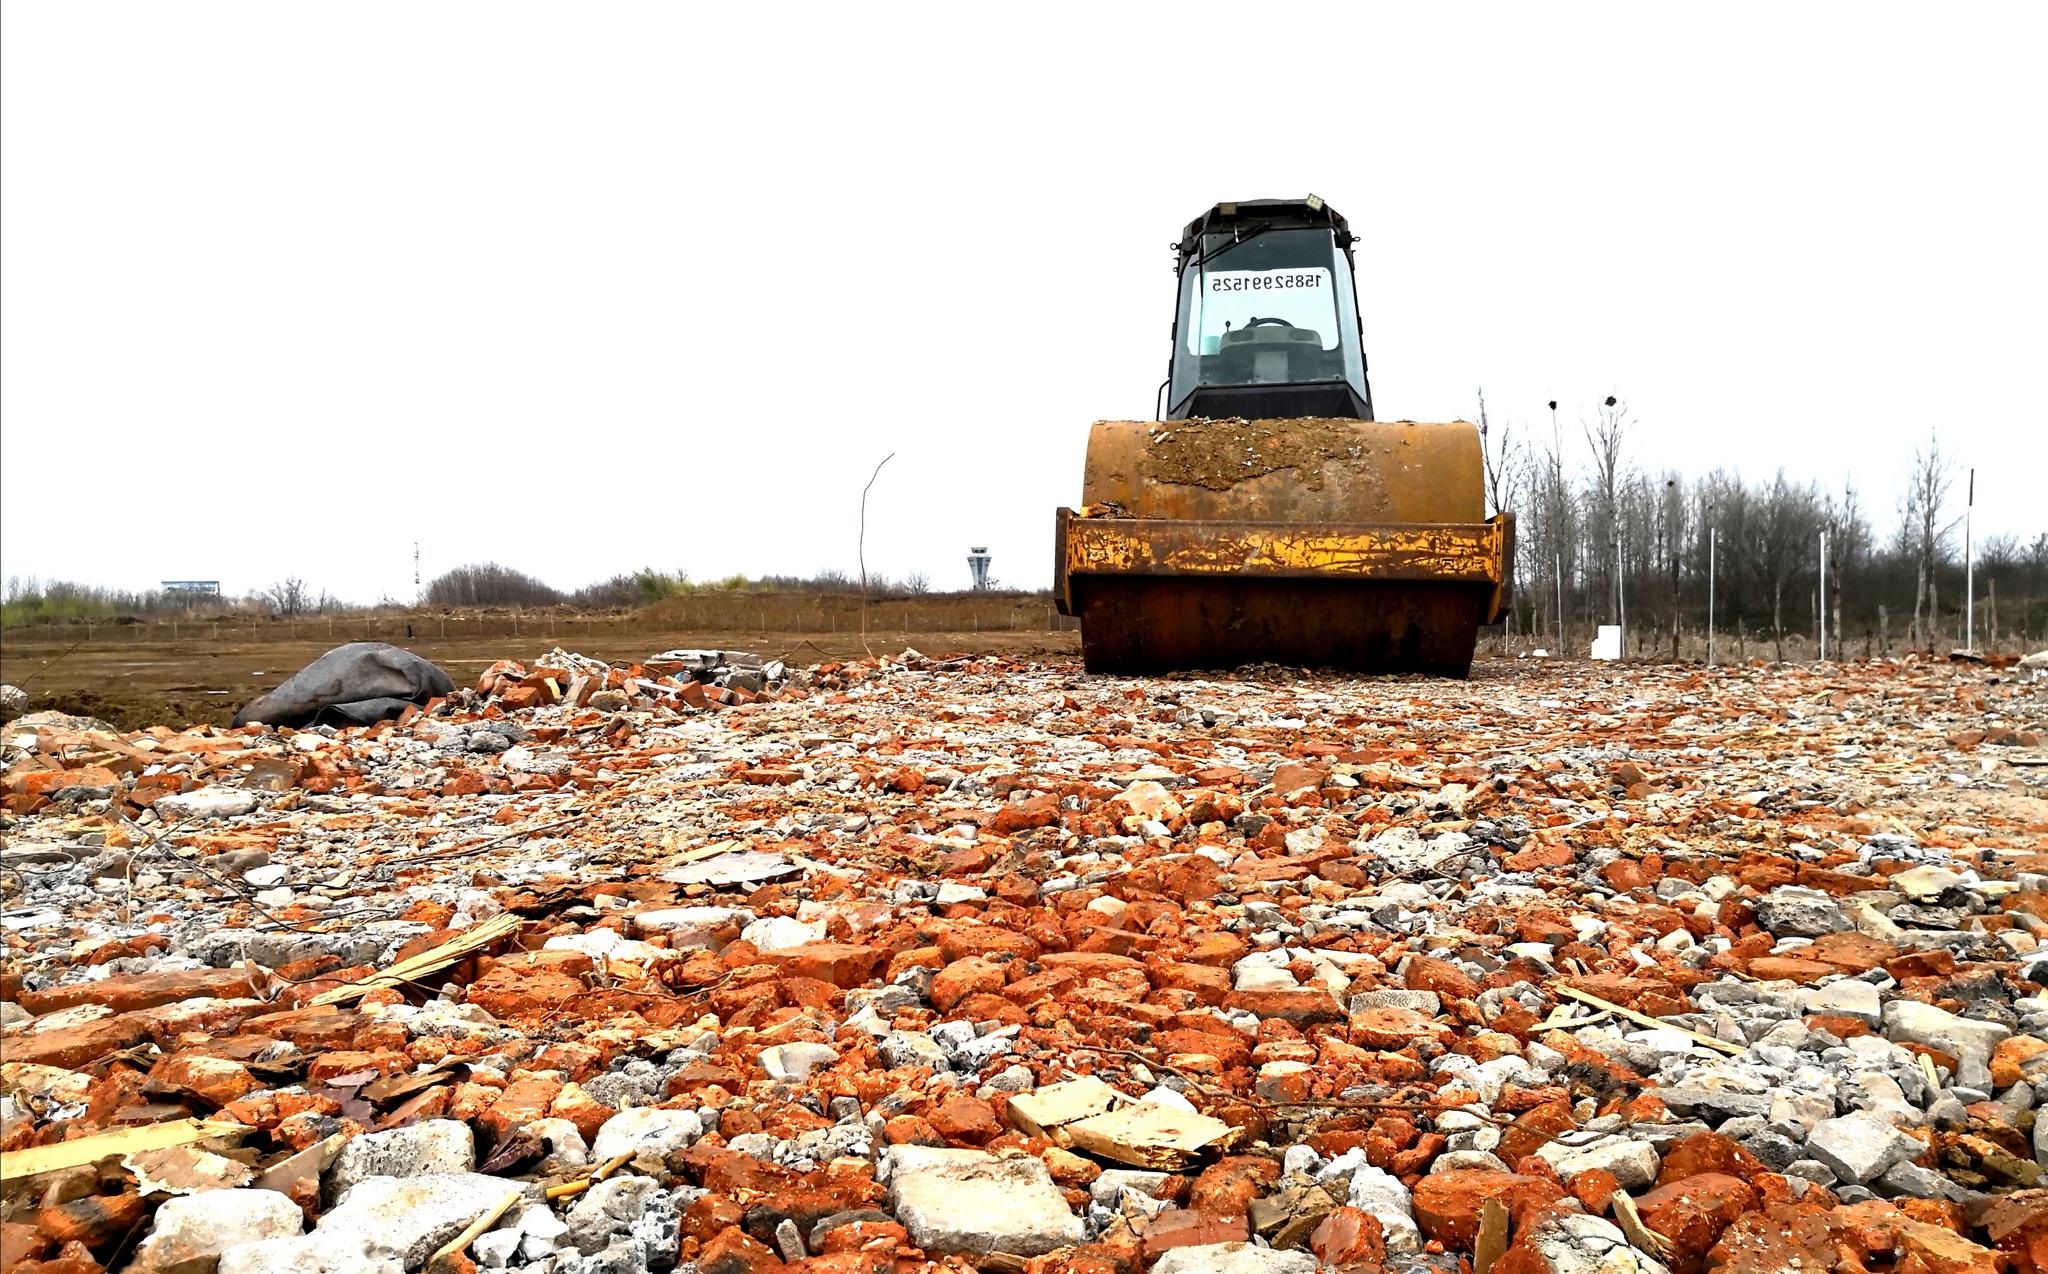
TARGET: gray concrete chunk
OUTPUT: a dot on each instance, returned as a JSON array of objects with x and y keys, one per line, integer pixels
[
  {"x": 794, "y": 1063},
  {"x": 1912, "y": 1022},
  {"x": 1794, "y": 911},
  {"x": 647, "y": 1132},
  {"x": 1633, "y": 1163},
  {"x": 901, "y": 1049},
  {"x": 192, "y": 1230},
  {"x": 432, "y": 1145},
  {"x": 1846, "y": 998},
  {"x": 1233, "y": 1258},
  {"x": 306, "y": 1254},
  {"x": 1570, "y": 1244},
  {"x": 972, "y": 1201},
  {"x": 1381, "y": 1193},
  {"x": 207, "y": 802},
  {"x": 1910, "y": 1180},
  {"x": 1421, "y": 1001},
  {"x": 404, "y": 1219},
  {"x": 1860, "y": 1147}
]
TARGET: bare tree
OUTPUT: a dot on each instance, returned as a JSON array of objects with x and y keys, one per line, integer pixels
[
  {"x": 289, "y": 596},
  {"x": 1848, "y": 543},
  {"x": 1555, "y": 507},
  {"x": 861, "y": 547},
  {"x": 1501, "y": 453},
  {"x": 1672, "y": 513},
  {"x": 1603, "y": 498},
  {"x": 1780, "y": 544},
  {"x": 917, "y": 583},
  {"x": 1921, "y": 527}
]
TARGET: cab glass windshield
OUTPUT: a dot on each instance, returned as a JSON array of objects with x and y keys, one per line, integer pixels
[
  {"x": 1229, "y": 301},
  {"x": 1272, "y": 307}
]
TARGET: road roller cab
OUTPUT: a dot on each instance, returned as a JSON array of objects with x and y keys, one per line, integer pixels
[
  {"x": 1267, "y": 326},
  {"x": 1266, "y": 517}
]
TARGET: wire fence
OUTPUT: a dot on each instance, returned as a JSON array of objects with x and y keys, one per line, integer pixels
[{"x": 1740, "y": 643}]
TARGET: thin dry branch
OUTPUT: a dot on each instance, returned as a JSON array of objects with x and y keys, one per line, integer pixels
[{"x": 861, "y": 548}]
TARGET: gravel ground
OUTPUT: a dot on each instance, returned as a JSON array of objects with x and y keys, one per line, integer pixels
[{"x": 986, "y": 963}]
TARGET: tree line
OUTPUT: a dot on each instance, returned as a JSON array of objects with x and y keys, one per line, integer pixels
[
  {"x": 29, "y": 600},
  {"x": 489, "y": 584},
  {"x": 1600, "y": 539}
]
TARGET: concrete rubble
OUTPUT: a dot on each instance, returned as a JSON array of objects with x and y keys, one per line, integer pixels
[{"x": 716, "y": 964}]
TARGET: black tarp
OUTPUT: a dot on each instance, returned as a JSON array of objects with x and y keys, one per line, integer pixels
[{"x": 355, "y": 684}]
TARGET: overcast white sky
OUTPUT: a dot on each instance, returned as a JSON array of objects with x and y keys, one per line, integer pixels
[{"x": 579, "y": 289}]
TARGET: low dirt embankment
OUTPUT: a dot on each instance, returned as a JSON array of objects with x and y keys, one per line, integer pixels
[{"x": 134, "y": 675}]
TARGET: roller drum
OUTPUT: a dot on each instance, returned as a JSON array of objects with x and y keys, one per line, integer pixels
[
  {"x": 1287, "y": 470},
  {"x": 1339, "y": 543}
]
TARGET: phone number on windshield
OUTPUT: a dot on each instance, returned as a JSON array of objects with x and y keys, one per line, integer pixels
[{"x": 1265, "y": 282}]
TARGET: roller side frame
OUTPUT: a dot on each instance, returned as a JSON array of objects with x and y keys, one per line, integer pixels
[
  {"x": 1167, "y": 594},
  {"x": 1411, "y": 552}
]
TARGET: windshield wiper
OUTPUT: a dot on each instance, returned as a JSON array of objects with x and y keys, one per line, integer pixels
[{"x": 1235, "y": 241}]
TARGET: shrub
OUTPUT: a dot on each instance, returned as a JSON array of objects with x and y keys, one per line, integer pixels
[{"x": 489, "y": 584}]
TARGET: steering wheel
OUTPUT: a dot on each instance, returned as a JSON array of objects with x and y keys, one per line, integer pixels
[{"x": 1260, "y": 322}]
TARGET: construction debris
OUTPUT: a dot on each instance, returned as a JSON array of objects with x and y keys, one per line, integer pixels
[
  {"x": 902, "y": 965},
  {"x": 1150, "y": 1134},
  {"x": 434, "y": 959},
  {"x": 135, "y": 1141}
]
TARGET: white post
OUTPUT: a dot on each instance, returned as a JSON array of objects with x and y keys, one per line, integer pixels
[
  {"x": 1557, "y": 574},
  {"x": 1713, "y": 542},
  {"x": 1620, "y": 602},
  {"x": 1969, "y": 571},
  {"x": 1822, "y": 607}
]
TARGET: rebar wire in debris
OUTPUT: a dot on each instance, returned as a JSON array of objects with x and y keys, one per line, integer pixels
[
  {"x": 154, "y": 847},
  {"x": 463, "y": 851}
]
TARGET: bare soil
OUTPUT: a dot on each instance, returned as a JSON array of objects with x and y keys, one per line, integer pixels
[{"x": 136, "y": 676}]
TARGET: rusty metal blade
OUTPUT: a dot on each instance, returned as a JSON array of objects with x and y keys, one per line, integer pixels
[{"x": 1143, "y": 624}]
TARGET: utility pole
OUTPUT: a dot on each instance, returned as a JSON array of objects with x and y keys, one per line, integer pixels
[
  {"x": 417, "y": 595},
  {"x": 1822, "y": 606},
  {"x": 1557, "y": 574},
  {"x": 1620, "y": 602},
  {"x": 1713, "y": 542},
  {"x": 1969, "y": 571},
  {"x": 1557, "y": 563}
]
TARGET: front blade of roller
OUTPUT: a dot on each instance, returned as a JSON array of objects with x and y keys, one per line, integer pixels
[
  {"x": 1161, "y": 594},
  {"x": 1148, "y": 624}
]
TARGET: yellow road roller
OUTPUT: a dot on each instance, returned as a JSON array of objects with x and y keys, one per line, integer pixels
[{"x": 1264, "y": 516}]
